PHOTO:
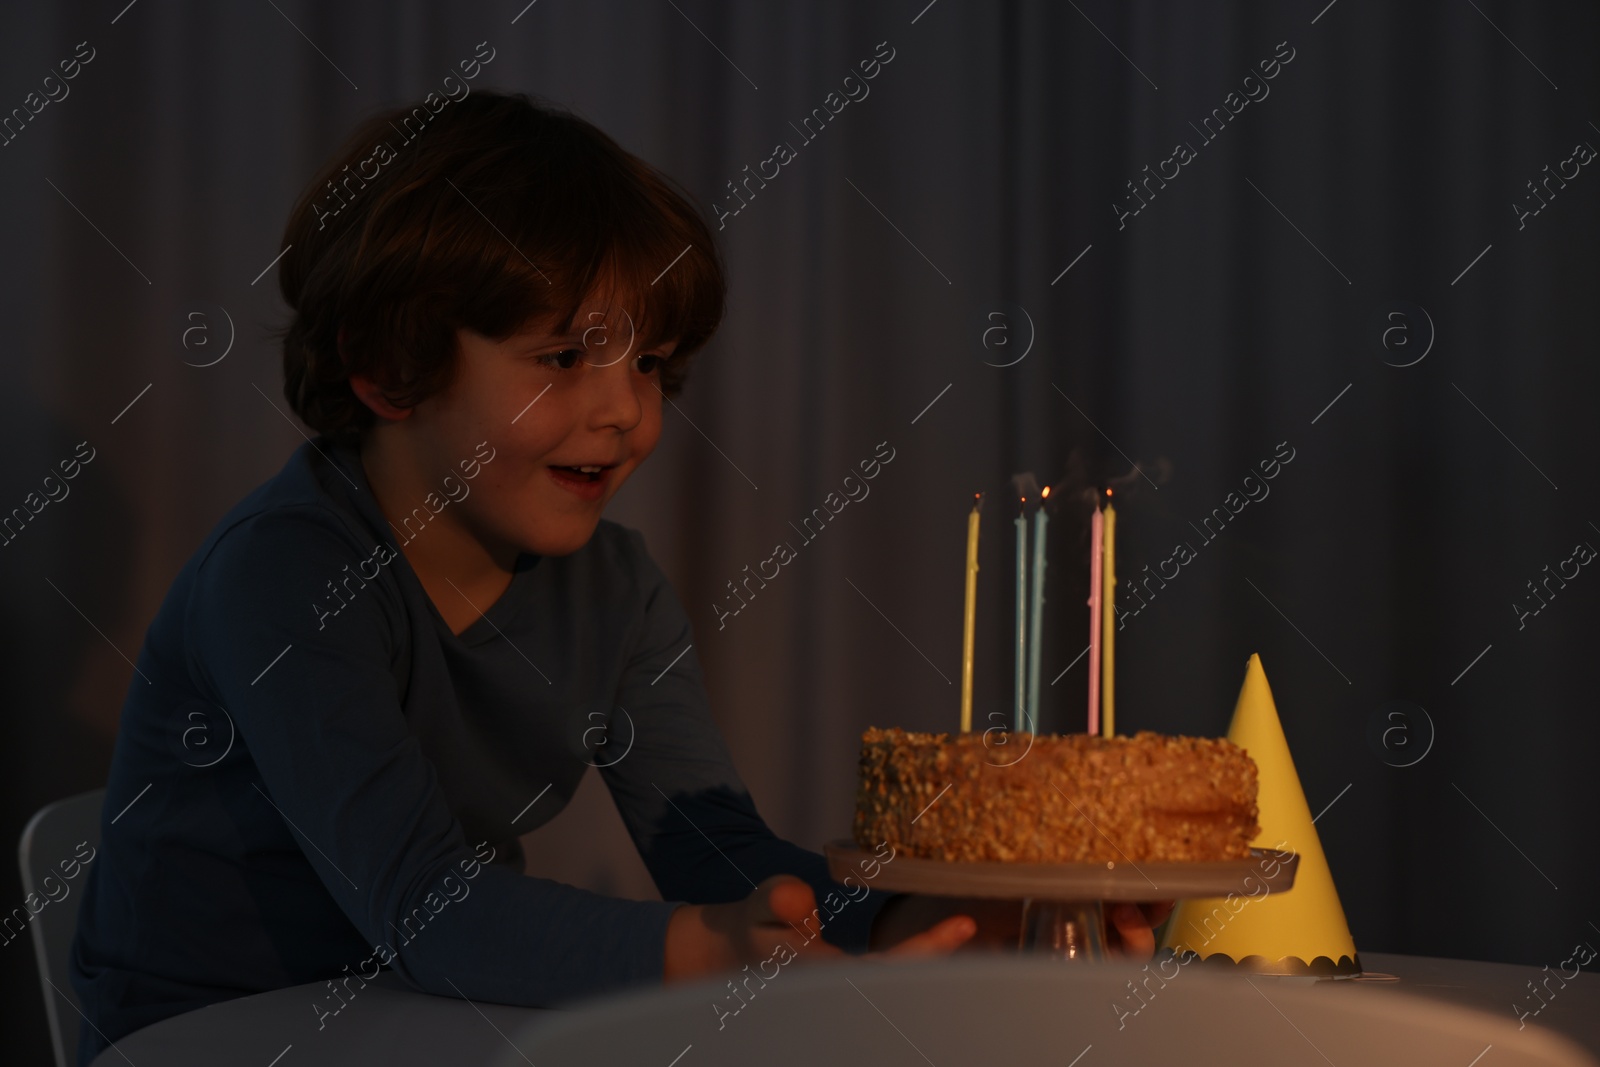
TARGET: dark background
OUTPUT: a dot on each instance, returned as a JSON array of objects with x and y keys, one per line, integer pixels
[{"x": 1222, "y": 320}]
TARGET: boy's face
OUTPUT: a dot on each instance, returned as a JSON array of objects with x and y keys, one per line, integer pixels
[{"x": 545, "y": 403}]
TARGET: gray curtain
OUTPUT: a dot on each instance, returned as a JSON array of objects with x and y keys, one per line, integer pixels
[{"x": 984, "y": 171}]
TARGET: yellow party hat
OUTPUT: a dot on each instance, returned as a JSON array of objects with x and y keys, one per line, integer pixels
[{"x": 1301, "y": 931}]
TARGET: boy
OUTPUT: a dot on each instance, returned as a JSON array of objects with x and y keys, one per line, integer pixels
[{"x": 392, "y": 658}]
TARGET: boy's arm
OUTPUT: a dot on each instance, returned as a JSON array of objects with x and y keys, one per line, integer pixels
[
  {"x": 684, "y": 804},
  {"x": 318, "y": 712}
]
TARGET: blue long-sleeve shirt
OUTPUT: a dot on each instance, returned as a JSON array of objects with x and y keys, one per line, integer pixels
[{"x": 312, "y": 770}]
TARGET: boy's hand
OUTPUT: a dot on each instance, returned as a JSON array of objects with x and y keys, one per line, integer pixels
[
  {"x": 998, "y": 922},
  {"x": 1130, "y": 928},
  {"x": 708, "y": 938}
]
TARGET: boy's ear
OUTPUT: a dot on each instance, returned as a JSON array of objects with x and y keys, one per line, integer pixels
[
  {"x": 368, "y": 393},
  {"x": 367, "y": 390}
]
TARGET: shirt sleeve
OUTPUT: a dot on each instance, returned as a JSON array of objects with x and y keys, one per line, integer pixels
[
  {"x": 688, "y": 812},
  {"x": 318, "y": 709}
]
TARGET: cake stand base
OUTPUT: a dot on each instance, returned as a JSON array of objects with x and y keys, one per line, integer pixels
[{"x": 1063, "y": 930}]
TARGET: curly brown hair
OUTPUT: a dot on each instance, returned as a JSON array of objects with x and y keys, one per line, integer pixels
[{"x": 492, "y": 213}]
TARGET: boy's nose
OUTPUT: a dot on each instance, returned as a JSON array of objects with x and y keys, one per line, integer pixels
[{"x": 614, "y": 397}]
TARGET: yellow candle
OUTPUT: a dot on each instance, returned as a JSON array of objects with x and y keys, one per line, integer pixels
[
  {"x": 970, "y": 627},
  {"x": 1108, "y": 630}
]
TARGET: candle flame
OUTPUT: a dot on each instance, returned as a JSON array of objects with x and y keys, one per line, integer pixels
[
  {"x": 1108, "y": 490},
  {"x": 1045, "y": 493}
]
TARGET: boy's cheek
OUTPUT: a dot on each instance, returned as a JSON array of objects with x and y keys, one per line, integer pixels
[{"x": 645, "y": 436}]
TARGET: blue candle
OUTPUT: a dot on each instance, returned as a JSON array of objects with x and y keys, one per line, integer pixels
[
  {"x": 1036, "y": 619},
  {"x": 1019, "y": 712}
]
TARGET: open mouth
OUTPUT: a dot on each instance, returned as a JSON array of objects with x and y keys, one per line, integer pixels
[
  {"x": 590, "y": 481},
  {"x": 591, "y": 474}
]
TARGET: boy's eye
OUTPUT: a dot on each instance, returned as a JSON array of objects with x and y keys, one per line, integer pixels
[
  {"x": 649, "y": 364},
  {"x": 566, "y": 359}
]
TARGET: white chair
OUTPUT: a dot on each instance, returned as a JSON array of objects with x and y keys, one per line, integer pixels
[{"x": 51, "y": 837}]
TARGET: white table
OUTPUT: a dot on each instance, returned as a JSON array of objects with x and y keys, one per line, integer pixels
[{"x": 387, "y": 1024}]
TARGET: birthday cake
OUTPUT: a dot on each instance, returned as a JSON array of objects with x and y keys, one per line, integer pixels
[{"x": 1067, "y": 798}]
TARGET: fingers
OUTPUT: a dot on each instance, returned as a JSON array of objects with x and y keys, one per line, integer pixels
[
  {"x": 938, "y": 940},
  {"x": 783, "y": 912},
  {"x": 783, "y": 898},
  {"x": 1138, "y": 940}
]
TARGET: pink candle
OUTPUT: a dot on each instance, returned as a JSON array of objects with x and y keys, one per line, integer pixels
[{"x": 1097, "y": 536}]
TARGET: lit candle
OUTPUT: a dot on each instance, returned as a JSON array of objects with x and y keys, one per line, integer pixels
[
  {"x": 1108, "y": 618},
  {"x": 1022, "y": 617},
  {"x": 1096, "y": 542},
  {"x": 970, "y": 625},
  {"x": 1036, "y": 616}
]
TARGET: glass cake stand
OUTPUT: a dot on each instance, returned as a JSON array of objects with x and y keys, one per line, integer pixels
[{"x": 1063, "y": 904}]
